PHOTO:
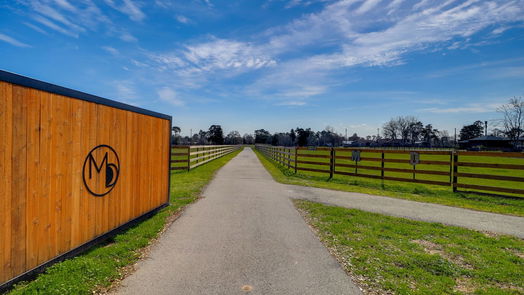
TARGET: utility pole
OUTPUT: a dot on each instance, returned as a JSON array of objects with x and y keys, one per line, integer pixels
[
  {"x": 346, "y": 134},
  {"x": 190, "y": 136},
  {"x": 455, "y": 141},
  {"x": 485, "y": 128},
  {"x": 378, "y": 133}
]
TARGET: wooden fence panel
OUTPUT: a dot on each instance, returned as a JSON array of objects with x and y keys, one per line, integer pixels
[
  {"x": 188, "y": 157},
  {"x": 490, "y": 172},
  {"x": 51, "y": 138},
  {"x": 501, "y": 172}
]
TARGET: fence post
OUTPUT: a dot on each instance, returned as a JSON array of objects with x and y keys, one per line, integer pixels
[
  {"x": 331, "y": 162},
  {"x": 288, "y": 158},
  {"x": 296, "y": 158},
  {"x": 188, "y": 158},
  {"x": 455, "y": 171},
  {"x": 382, "y": 170},
  {"x": 451, "y": 167},
  {"x": 382, "y": 167}
]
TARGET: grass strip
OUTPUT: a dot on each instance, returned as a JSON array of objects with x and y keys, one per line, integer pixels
[
  {"x": 391, "y": 255},
  {"x": 97, "y": 268},
  {"x": 408, "y": 191}
]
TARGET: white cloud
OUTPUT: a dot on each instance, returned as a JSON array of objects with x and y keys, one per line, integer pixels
[
  {"x": 128, "y": 7},
  {"x": 53, "y": 14},
  {"x": 194, "y": 64},
  {"x": 111, "y": 50},
  {"x": 128, "y": 37},
  {"x": 125, "y": 90},
  {"x": 64, "y": 4},
  {"x": 226, "y": 54},
  {"x": 472, "y": 108},
  {"x": 182, "y": 19},
  {"x": 169, "y": 95},
  {"x": 294, "y": 103},
  {"x": 347, "y": 31},
  {"x": 311, "y": 54},
  {"x": 366, "y": 6},
  {"x": 68, "y": 18},
  {"x": 48, "y": 23},
  {"x": 12, "y": 41},
  {"x": 38, "y": 29}
]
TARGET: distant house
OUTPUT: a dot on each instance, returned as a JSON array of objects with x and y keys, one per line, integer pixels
[{"x": 490, "y": 142}]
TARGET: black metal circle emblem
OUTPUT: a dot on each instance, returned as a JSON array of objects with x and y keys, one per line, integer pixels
[{"x": 101, "y": 170}]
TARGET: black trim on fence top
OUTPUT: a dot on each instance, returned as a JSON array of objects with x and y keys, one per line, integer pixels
[{"x": 44, "y": 86}]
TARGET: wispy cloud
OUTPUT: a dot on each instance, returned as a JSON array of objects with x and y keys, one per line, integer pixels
[
  {"x": 182, "y": 19},
  {"x": 12, "y": 41},
  {"x": 125, "y": 91},
  {"x": 68, "y": 18},
  {"x": 471, "y": 108},
  {"x": 292, "y": 103},
  {"x": 36, "y": 28},
  {"x": 111, "y": 50},
  {"x": 168, "y": 95},
  {"x": 128, "y": 37},
  {"x": 128, "y": 7},
  {"x": 48, "y": 23},
  {"x": 199, "y": 61}
]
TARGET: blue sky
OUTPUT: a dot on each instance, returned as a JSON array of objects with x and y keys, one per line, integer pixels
[{"x": 277, "y": 64}]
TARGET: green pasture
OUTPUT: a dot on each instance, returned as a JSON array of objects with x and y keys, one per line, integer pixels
[
  {"x": 405, "y": 190},
  {"x": 323, "y": 163}
]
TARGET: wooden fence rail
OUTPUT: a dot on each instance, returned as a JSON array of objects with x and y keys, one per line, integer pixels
[
  {"x": 500, "y": 172},
  {"x": 185, "y": 157}
]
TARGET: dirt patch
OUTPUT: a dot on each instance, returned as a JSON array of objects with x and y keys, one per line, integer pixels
[
  {"x": 432, "y": 248},
  {"x": 490, "y": 234},
  {"x": 516, "y": 253},
  {"x": 464, "y": 285},
  {"x": 429, "y": 247},
  {"x": 509, "y": 286}
]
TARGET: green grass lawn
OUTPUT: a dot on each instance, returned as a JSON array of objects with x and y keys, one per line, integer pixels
[
  {"x": 107, "y": 262},
  {"x": 390, "y": 255},
  {"x": 410, "y": 191}
]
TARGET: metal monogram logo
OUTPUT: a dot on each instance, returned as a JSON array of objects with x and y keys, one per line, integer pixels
[{"x": 101, "y": 170}]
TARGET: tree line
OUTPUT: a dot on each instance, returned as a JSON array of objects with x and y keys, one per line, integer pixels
[
  {"x": 214, "y": 135},
  {"x": 398, "y": 131}
]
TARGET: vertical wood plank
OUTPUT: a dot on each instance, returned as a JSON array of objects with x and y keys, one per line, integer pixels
[
  {"x": 33, "y": 180},
  {"x": 44, "y": 174},
  {"x": 6, "y": 136},
  {"x": 19, "y": 183},
  {"x": 78, "y": 203},
  {"x": 66, "y": 171},
  {"x": 91, "y": 142}
]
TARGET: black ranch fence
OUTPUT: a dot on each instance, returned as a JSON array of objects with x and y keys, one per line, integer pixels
[
  {"x": 184, "y": 157},
  {"x": 485, "y": 172}
]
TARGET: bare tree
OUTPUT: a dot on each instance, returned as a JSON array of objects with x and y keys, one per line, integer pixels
[
  {"x": 405, "y": 128},
  {"x": 390, "y": 129},
  {"x": 513, "y": 120}
]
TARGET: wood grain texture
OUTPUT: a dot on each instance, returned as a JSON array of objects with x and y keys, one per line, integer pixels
[{"x": 45, "y": 208}]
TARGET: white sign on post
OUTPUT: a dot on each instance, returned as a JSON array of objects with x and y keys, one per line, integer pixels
[
  {"x": 355, "y": 156},
  {"x": 414, "y": 158}
]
